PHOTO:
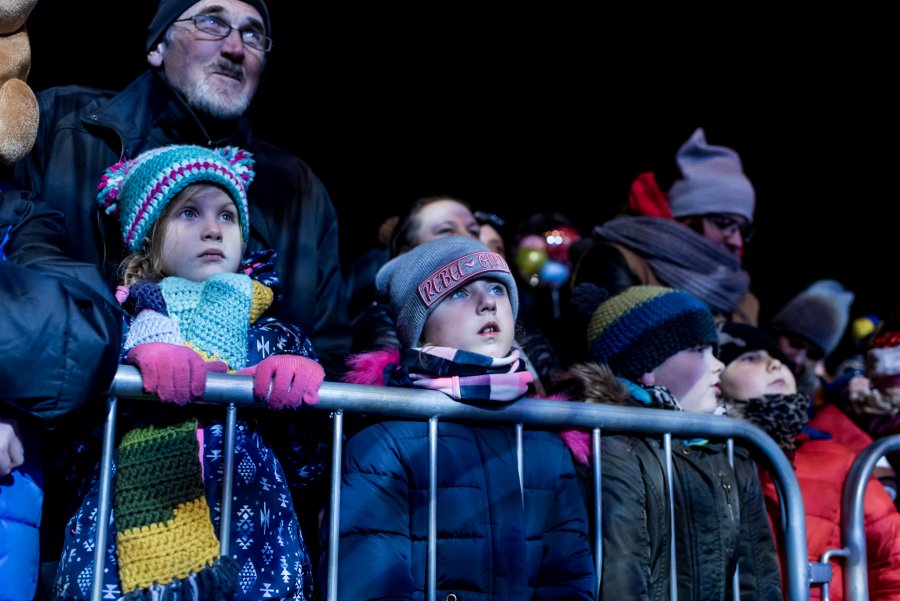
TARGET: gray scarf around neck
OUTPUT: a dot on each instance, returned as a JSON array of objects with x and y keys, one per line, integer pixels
[{"x": 681, "y": 258}]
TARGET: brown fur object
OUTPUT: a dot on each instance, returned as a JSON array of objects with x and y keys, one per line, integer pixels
[
  {"x": 18, "y": 106},
  {"x": 593, "y": 383}
]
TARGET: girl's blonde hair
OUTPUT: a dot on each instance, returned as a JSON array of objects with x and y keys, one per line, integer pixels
[{"x": 146, "y": 263}]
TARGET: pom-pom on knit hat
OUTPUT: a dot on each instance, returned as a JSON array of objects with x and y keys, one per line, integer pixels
[
  {"x": 636, "y": 330},
  {"x": 169, "y": 10},
  {"x": 713, "y": 181},
  {"x": 819, "y": 314},
  {"x": 139, "y": 190},
  {"x": 417, "y": 281}
]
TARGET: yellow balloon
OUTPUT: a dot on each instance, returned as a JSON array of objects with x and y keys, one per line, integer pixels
[{"x": 530, "y": 260}]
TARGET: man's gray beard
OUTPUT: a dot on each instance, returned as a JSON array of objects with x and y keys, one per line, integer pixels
[{"x": 204, "y": 97}]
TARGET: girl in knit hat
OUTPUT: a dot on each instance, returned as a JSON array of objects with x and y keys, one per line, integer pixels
[
  {"x": 654, "y": 347},
  {"x": 498, "y": 537},
  {"x": 758, "y": 386},
  {"x": 195, "y": 306}
]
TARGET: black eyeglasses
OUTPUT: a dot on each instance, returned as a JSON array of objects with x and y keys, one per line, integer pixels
[
  {"x": 219, "y": 30},
  {"x": 728, "y": 225}
]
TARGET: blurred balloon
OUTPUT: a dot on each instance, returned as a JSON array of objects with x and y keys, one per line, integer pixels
[
  {"x": 530, "y": 261},
  {"x": 861, "y": 327},
  {"x": 554, "y": 274},
  {"x": 533, "y": 241},
  {"x": 559, "y": 240}
]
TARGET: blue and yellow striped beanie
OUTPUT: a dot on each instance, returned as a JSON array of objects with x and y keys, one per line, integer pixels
[
  {"x": 139, "y": 190},
  {"x": 636, "y": 330}
]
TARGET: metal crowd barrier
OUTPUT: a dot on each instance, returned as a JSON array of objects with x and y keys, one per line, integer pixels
[
  {"x": 236, "y": 391},
  {"x": 853, "y": 532}
]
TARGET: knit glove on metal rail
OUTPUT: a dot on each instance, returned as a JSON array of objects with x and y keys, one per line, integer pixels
[
  {"x": 286, "y": 380},
  {"x": 173, "y": 372}
]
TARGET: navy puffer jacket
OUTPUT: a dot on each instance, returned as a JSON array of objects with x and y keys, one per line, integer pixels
[{"x": 493, "y": 542}]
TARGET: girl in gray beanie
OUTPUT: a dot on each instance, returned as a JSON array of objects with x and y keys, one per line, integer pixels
[{"x": 499, "y": 537}]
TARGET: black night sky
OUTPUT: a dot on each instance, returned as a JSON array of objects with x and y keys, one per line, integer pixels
[{"x": 518, "y": 110}]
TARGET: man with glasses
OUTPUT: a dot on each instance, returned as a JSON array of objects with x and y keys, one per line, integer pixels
[
  {"x": 691, "y": 238},
  {"x": 731, "y": 230},
  {"x": 206, "y": 58}
]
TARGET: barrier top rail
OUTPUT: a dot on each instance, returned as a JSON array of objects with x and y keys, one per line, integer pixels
[{"x": 425, "y": 404}]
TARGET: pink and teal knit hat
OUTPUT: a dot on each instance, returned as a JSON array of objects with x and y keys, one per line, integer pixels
[{"x": 138, "y": 190}]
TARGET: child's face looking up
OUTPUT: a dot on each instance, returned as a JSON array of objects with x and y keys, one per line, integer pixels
[
  {"x": 757, "y": 373},
  {"x": 692, "y": 375},
  {"x": 202, "y": 235},
  {"x": 476, "y": 317}
]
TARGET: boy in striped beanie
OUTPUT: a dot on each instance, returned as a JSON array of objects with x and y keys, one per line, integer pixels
[
  {"x": 654, "y": 347},
  {"x": 643, "y": 331}
]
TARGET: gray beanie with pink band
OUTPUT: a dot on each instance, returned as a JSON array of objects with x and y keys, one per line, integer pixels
[{"x": 417, "y": 281}]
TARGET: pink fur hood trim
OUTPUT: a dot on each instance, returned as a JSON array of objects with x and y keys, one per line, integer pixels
[{"x": 368, "y": 368}]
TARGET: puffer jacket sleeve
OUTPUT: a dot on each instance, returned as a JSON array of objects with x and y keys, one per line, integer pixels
[
  {"x": 567, "y": 570},
  {"x": 375, "y": 552},
  {"x": 627, "y": 547},
  {"x": 59, "y": 318},
  {"x": 757, "y": 558}
]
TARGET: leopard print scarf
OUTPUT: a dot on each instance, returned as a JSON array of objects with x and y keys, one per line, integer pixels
[{"x": 781, "y": 416}]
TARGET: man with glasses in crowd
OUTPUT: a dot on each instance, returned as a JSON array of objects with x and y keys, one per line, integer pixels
[
  {"x": 691, "y": 238},
  {"x": 206, "y": 58}
]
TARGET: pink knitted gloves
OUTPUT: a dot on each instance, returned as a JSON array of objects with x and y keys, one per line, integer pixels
[
  {"x": 286, "y": 380},
  {"x": 173, "y": 372}
]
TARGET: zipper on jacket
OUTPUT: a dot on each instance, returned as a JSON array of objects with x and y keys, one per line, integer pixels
[
  {"x": 102, "y": 240},
  {"x": 726, "y": 486}
]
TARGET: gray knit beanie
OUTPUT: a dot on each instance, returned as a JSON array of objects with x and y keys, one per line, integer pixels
[
  {"x": 713, "y": 181},
  {"x": 417, "y": 281},
  {"x": 819, "y": 314},
  {"x": 169, "y": 10}
]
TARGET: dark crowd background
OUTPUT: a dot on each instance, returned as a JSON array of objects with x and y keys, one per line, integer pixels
[{"x": 517, "y": 110}]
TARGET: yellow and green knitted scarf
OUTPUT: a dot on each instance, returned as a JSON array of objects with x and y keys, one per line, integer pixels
[{"x": 165, "y": 542}]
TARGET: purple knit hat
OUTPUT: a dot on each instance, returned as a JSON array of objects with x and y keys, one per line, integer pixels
[{"x": 713, "y": 181}]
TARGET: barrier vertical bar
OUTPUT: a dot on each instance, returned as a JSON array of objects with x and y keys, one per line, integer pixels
[
  {"x": 598, "y": 509},
  {"x": 432, "y": 508},
  {"x": 736, "y": 578},
  {"x": 673, "y": 571},
  {"x": 337, "y": 445},
  {"x": 103, "y": 504},
  {"x": 227, "y": 479}
]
